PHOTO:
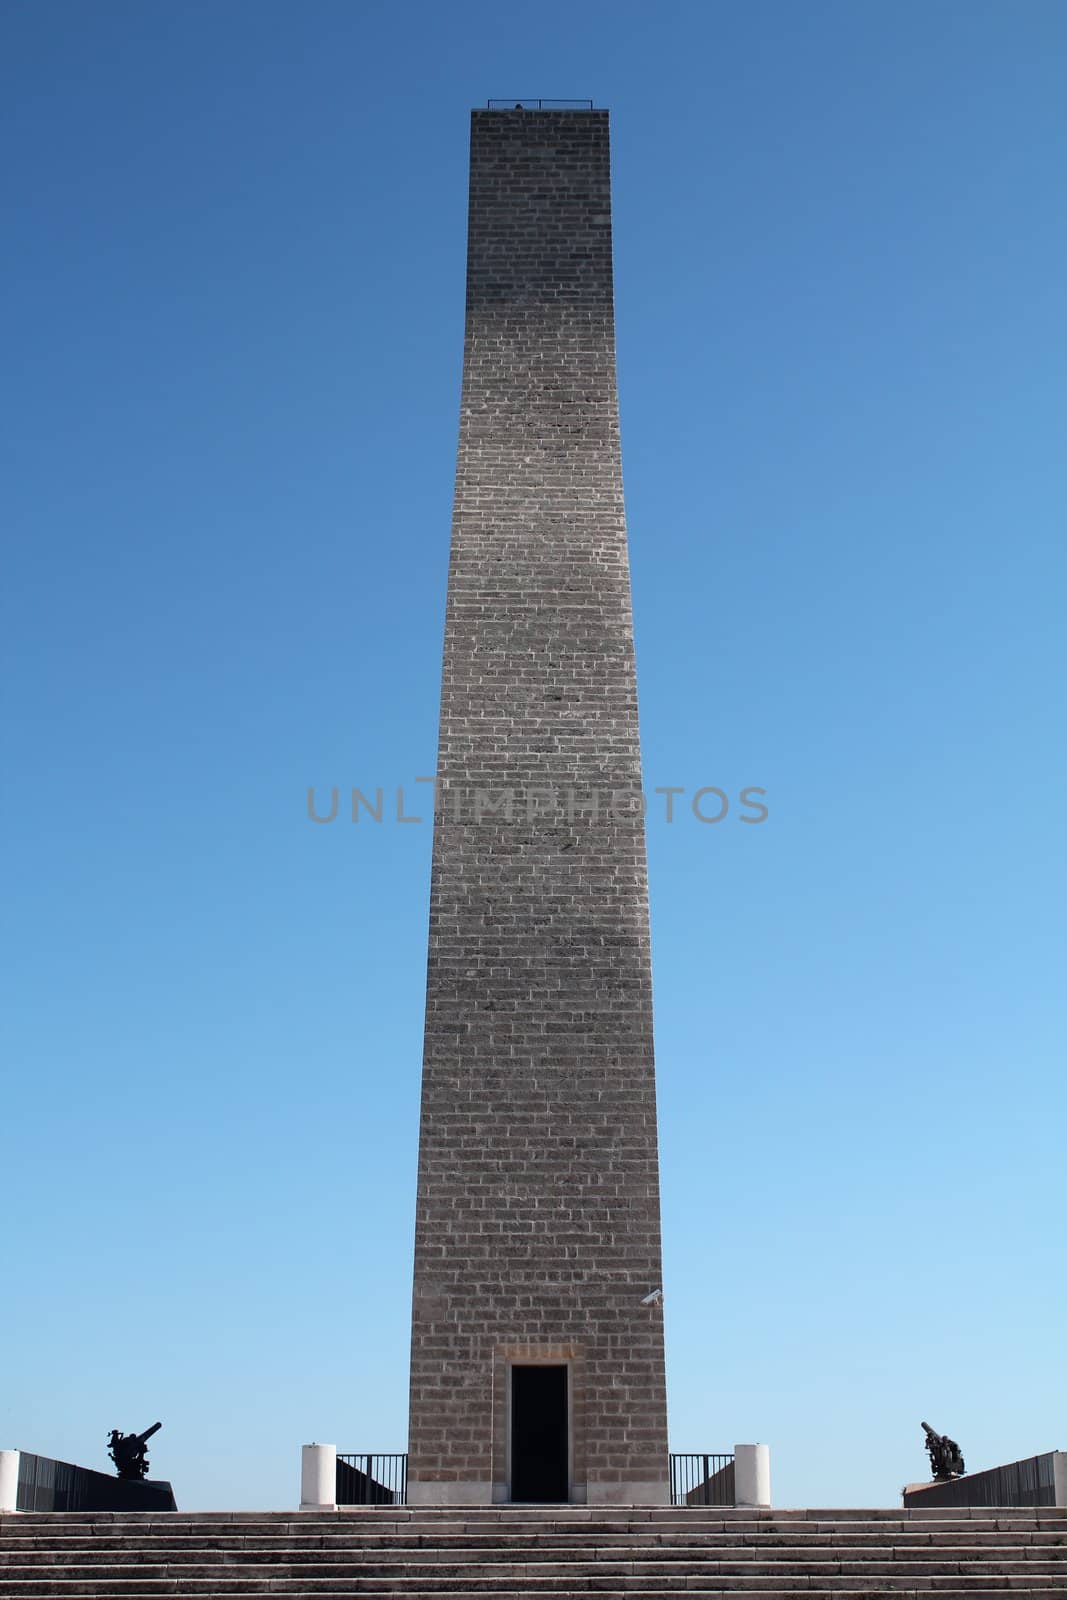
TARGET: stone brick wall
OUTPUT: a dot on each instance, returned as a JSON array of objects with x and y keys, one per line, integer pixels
[{"x": 537, "y": 1231}]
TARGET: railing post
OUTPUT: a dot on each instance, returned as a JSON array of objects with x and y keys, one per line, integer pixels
[
  {"x": 752, "y": 1474},
  {"x": 318, "y": 1477},
  {"x": 9, "y": 1480}
]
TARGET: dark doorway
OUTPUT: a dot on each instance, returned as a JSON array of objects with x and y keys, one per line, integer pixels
[{"x": 539, "y": 1433}]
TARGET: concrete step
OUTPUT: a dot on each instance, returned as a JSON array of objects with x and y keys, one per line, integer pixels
[
  {"x": 502, "y": 1571},
  {"x": 1008, "y": 1547},
  {"x": 345, "y": 1526},
  {"x": 415, "y": 1581},
  {"x": 525, "y": 1516},
  {"x": 1023, "y": 1546},
  {"x": 587, "y": 1581},
  {"x": 499, "y": 1524},
  {"x": 528, "y": 1589},
  {"x": 949, "y": 1556},
  {"x": 967, "y": 1535}
]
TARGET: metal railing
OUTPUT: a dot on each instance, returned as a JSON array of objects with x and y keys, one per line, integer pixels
[
  {"x": 702, "y": 1480},
  {"x": 697, "y": 1479},
  {"x": 369, "y": 1480},
  {"x": 519, "y": 104}
]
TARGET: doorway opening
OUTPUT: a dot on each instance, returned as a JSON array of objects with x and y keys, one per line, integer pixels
[{"x": 539, "y": 1442}]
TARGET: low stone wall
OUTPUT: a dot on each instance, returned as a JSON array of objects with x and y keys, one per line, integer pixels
[
  {"x": 1034, "y": 1481},
  {"x": 47, "y": 1485}
]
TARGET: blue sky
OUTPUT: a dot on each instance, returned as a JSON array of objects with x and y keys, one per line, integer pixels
[{"x": 232, "y": 330}]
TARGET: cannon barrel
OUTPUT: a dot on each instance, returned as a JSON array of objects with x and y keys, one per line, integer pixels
[
  {"x": 147, "y": 1434},
  {"x": 931, "y": 1431}
]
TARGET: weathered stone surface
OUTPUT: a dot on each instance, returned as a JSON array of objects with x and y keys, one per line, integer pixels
[
  {"x": 537, "y": 1232},
  {"x": 525, "y": 1552}
]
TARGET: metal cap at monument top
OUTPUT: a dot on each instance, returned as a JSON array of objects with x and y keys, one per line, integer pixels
[{"x": 537, "y": 1334}]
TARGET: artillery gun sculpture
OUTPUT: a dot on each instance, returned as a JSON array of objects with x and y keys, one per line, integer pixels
[
  {"x": 946, "y": 1459},
  {"x": 128, "y": 1452}
]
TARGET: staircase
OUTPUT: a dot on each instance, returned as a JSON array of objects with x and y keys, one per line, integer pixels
[{"x": 522, "y": 1551}]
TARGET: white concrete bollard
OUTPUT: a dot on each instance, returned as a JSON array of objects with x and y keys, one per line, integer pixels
[
  {"x": 752, "y": 1474},
  {"x": 9, "y": 1480},
  {"x": 318, "y": 1477}
]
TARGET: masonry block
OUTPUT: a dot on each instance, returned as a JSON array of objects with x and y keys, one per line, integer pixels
[{"x": 538, "y": 1230}]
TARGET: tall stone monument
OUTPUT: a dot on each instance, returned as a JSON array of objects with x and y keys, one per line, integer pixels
[{"x": 537, "y": 1332}]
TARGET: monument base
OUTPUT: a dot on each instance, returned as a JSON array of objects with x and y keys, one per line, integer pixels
[
  {"x": 496, "y": 1494},
  {"x": 652, "y": 1493},
  {"x": 449, "y": 1494}
]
